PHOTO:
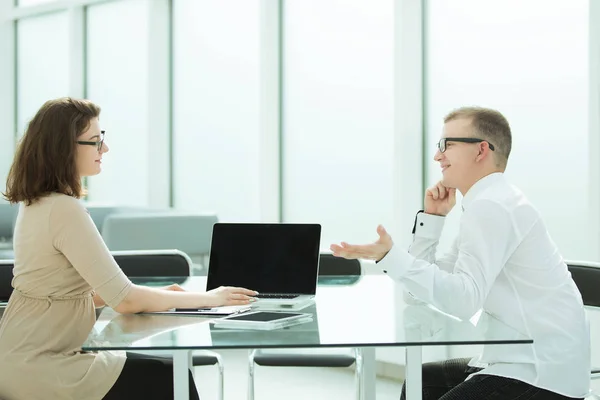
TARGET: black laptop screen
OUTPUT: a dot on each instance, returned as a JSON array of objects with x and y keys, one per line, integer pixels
[{"x": 268, "y": 258}]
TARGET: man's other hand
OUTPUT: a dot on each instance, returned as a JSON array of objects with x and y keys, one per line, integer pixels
[{"x": 439, "y": 199}]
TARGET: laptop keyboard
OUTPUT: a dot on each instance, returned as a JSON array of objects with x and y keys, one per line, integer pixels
[{"x": 276, "y": 296}]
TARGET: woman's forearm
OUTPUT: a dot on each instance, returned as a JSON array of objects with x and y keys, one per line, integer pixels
[{"x": 146, "y": 299}]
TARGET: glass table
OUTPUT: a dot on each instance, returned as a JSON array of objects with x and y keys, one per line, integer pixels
[{"x": 363, "y": 312}]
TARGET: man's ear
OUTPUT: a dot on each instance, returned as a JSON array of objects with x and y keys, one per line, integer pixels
[{"x": 484, "y": 151}]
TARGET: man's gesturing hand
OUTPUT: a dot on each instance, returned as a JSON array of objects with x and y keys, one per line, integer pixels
[{"x": 374, "y": 251}]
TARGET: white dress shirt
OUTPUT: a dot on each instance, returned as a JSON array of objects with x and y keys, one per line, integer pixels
[{"x": 504, "y": 262}]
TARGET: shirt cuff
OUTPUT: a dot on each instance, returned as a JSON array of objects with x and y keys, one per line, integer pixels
[
  {"x": 429, "y": 226},
  {"x": 396, "y": 262}
]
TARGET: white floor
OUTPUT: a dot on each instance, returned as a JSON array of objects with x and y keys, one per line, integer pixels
[
  {"x": 291, "y": 383},
  {"x": 285, "y": 383}
]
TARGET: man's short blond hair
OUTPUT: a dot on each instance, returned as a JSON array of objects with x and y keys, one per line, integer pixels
[{"x": 490, "y": 125}]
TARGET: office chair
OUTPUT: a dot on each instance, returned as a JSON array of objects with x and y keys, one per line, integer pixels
[
  {"x": 154, "y": 263},
  {"x": 587, "y": 278},
  {"x": 188, "y": 232},
  {"x": 99, "y": 212},
  {"x": 8, "y": 215},
  {"x": 6, "y": 275},
  {"x": 329, "y": 265},
  {"x": 171, "y": 263},
  {"x": 141, "y": 263}
]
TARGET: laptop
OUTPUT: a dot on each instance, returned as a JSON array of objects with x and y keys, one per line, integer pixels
[{"x": 279, "y": 261}]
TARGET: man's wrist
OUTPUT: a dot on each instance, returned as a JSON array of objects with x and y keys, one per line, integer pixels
[
  {"x": 428, "y": 225},
  {"x": 432, "y": 213},
  {"x": 383, "y": 256},
  {"x": 416, "y": 217}
]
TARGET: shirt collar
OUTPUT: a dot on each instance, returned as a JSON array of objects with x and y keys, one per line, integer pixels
[{"x": 479, "y": 186}]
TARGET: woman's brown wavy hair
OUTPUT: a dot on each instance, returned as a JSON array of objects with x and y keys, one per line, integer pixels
[{"x": 45, "y": 159}]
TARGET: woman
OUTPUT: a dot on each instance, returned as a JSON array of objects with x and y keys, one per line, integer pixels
[{"x": 63, "y": 270}]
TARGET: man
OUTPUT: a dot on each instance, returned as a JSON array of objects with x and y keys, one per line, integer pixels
[{"x": 503, "y": 261}]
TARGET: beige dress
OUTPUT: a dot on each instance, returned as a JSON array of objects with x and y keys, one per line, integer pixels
[{"x": 60, "y": 258}]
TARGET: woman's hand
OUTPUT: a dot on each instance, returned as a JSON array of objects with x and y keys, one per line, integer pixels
[{"x": 230, "y": 296}]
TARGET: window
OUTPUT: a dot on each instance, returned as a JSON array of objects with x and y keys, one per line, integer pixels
[
  {"x": 42, "y": 52},
  {"x": 338, "y": 116},
  {"x": 117, "y": 75},
  {"x": 215, "y": 107}
]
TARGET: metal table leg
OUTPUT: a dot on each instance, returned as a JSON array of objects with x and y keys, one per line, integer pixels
[
  {"x": 369, "y": 373},
  {"x": 414, "y": 357},
  {"x": 181, "y": 381}
]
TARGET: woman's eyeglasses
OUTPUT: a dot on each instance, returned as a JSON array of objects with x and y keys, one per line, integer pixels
[{"x": 98, "y": 144}]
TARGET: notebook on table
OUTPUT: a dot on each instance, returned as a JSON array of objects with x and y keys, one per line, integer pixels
[{"x": 208, "y": 311}]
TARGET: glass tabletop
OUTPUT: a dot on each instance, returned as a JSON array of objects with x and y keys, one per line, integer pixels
[{"x": 364, "y": 311}]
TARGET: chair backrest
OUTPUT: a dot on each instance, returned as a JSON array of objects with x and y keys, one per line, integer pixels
[
  {"x": 8, "y": 215},
  {"x": 6, "y": 275},
  {"x": 587, "y": 278},
  {"x": 99, "y": 212},
  {"x": 190, "y": 233},
  {"x": 331, "y": 265},
  {"x": 153, "y": 263},
  {"x": 149, "y": 263}
]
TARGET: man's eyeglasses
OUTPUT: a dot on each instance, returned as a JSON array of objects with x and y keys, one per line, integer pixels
[
  {"x": 442, "y": 143},
  {"x": 98, "y": 144}
]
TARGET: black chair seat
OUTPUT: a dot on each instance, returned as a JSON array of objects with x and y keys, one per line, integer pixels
[
  {"x": 302, "y": 360},
  {"x": 330, "y": 265},
  {"x": 197, "y": 359},
  {"x": 203, "y": 359},
  {"x": 152, "y": 264}
]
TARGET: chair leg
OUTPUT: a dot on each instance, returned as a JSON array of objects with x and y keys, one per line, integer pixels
[
  {"x": 221, "y": 376},
  {"x": 251, "y": 375},
  {"x": 359, "y": 373},
  {"x": 191, "y": 364}
]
